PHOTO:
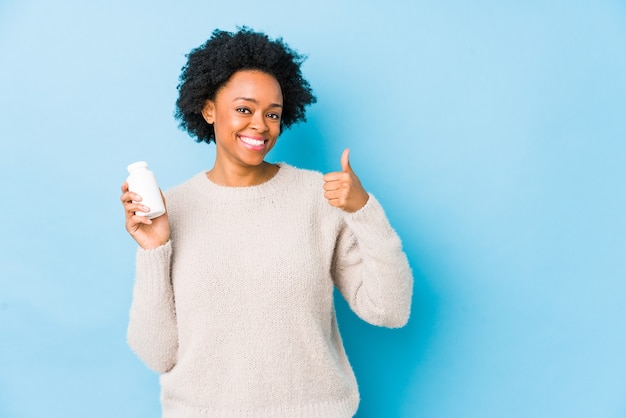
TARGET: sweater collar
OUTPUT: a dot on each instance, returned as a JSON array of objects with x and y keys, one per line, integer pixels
[{"x": 230, "y": 194}]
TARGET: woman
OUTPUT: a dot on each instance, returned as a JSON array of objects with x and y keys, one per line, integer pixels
[{"x": 233, "y": 299}]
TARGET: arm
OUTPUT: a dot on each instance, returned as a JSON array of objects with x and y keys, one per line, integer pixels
[
  {"x": 369, "y": 267},
  {"x": 152, "y": 328},
  {"x": 371, "y": 270}
]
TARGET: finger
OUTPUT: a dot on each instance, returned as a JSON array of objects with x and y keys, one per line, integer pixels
[
  {"x": 332, "y": 185},
  {"x": 142, "y": 219},
  {"x": 339, "y": 176},
  {"x": 338, "y": 202},
  {"x": 332, "y": 200},
  {"x": 334, "y": 176},
  {"x": 129, "y": 197},
  {"x": 132, "y": 208},
  {"x": 333, "y": 194},
  {"x": 126, "y": 197},
  {"x": 135, "y": 222},
  {"x": 345, "y": 161}
]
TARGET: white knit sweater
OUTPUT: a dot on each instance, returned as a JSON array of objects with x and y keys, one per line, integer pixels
[{"x": 236, "y": 310}]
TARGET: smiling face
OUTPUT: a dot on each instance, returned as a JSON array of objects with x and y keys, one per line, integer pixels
[{"x": 246, "y": 116}]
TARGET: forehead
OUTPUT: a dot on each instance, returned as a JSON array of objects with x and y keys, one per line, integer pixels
[{"x": 253, "y": 84}]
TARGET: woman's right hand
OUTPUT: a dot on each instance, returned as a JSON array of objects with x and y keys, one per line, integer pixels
[{"x": 149, "y": 233}]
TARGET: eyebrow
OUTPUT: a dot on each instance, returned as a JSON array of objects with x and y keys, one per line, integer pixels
[{"x": 255, "y": 101}]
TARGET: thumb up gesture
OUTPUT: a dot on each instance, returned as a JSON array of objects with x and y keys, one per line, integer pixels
[{"x": 343, "y": 188}]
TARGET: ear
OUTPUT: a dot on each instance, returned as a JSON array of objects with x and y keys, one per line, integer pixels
[{"x": 208, "y": 112}]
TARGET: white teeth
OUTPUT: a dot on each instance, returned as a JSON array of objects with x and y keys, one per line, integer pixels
[{"x": 253, "y": 142}]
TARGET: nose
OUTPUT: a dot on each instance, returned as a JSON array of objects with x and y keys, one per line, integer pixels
[{"x": 258, "y": 122}]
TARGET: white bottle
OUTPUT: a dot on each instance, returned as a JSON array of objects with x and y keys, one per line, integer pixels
[{"x": 143, "y": 182}]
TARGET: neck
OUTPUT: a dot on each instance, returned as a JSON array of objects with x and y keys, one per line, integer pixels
[{"x": 242, "y": 176}]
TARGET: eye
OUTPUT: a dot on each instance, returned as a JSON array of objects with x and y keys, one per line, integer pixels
[
  {"x": 243, "y": 110},
  {"x": 274, "y": 116}
]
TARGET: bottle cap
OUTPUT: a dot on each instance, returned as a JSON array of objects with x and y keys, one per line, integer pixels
[{"x": 138, "y": 164}]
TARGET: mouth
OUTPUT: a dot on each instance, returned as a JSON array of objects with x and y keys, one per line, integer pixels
[{"x": 256, "y": 144}]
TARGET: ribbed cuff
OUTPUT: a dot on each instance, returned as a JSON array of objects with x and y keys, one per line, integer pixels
[{"x": 153, "y": 268}]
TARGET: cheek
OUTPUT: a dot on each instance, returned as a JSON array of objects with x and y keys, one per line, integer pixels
[
  {"x": 276, "y": 130},
  {"x": 227, "y": 124}
]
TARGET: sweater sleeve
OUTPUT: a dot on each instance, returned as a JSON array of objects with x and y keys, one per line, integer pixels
[
  {"x": 371, "y": 269},
  {"x": 152, "y": 328}
]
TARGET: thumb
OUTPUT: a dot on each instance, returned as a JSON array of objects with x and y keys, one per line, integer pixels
[{"x": 345, "y": 161}]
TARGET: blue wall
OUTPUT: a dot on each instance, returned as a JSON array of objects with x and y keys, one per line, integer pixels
[{"x": 493, "y": 132}]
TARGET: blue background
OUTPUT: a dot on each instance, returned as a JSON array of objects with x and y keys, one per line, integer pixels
[{"x": 493, "y": 132}]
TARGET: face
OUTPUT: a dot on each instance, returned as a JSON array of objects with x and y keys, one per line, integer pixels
[{"x": 246, "y": 116}]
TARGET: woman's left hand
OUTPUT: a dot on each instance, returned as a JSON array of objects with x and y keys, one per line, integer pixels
[{"x": 343, "y": 188}]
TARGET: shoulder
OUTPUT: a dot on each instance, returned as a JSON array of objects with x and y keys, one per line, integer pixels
[
  {"x": 303, "y": 184},
  {"x": 305, "y": 189},
  {"x": 302, "y": 176},
  {"x": 183, "y": 192}
]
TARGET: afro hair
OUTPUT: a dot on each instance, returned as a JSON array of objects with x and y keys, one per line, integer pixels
[{"x": 212, "y": 64}]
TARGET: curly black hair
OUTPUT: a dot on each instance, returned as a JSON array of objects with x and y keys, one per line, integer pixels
[{"x": 212, "y": 64}]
